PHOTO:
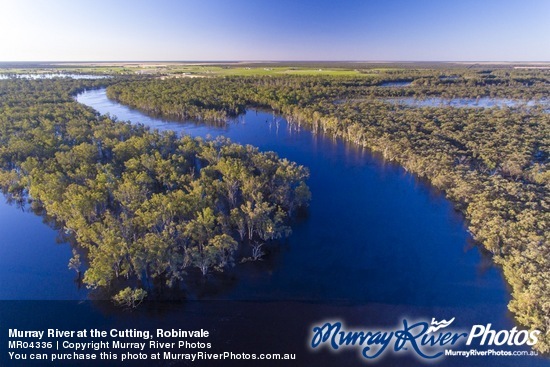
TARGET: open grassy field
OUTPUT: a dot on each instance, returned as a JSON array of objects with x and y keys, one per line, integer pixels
[
  {"x": 205, "y": 69},
  {"x": 173, "y": 69},
  {"x": 168, "y": 70},
  {"x": 245, "y": 71}
]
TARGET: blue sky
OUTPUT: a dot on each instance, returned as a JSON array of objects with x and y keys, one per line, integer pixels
[{"x": 458, "y": 30}]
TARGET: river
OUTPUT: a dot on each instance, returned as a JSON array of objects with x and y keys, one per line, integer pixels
[{"x": 378, "y": 245}]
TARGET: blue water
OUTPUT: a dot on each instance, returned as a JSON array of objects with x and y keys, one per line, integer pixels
[
  {"x": 373, "y": 234},
  {"x": 397, "y": 84},
  {"x": 33, "y": 262},
  {"x": 377, "y": 246},
  {"x": 483, "y": 102}
]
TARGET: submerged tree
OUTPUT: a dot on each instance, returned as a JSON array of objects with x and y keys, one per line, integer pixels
[
  {"x": 491, "y": 162},
  {"x": 145, "y": 207}
]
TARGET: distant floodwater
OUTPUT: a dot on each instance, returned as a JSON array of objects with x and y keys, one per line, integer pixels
[
  {"x": 52, "y": 76},
  {"x": 396, "y": 84},
  {"x": 484, "y": 102},
  {"x": 377, "y": 245}
]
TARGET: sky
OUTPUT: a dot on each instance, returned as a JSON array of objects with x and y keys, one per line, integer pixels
[{"x": 275, "y": 30}]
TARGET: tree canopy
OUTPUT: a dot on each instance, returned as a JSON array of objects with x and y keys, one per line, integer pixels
[
  {"x": 491, "y": 162},
  {"x": 146, "y": 207}
]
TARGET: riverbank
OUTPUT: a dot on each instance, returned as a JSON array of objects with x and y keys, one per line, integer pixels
[{"x": 489, "y": 162}]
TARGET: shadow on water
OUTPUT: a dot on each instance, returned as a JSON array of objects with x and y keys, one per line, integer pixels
[
  {"x": 377, "y": 245},
  {"x": 374, "y": 235}
]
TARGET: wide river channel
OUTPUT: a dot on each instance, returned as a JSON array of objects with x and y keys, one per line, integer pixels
[{"x": 377, "y": 246}]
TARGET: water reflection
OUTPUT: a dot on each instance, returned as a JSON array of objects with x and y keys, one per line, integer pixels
[{"x": 366, "y": 216}]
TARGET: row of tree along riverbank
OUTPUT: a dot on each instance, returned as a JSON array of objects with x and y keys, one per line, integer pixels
[
  {"x": 144, "y": 207},
  {"x": 492, "y": 163}
]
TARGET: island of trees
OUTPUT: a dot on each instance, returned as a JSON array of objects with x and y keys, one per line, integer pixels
[
  {"x": 143, "y": 207},
  {"x": 491, "y": 162}
]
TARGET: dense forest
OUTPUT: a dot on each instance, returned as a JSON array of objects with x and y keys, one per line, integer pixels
[
  {"x": 492, "y": 163},
  {"x": 143, "y": 208}
]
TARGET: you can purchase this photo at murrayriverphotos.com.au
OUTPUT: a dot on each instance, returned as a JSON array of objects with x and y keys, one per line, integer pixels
[{"x": 275, "y": 183}]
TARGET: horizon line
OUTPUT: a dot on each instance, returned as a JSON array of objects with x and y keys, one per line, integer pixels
[{"x": 275, "y": 61}]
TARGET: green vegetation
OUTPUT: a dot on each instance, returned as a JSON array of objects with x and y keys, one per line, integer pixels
[
  {"x": 208, "y": 69},
  {"x": 145, "y": 207},
  {"x": 492, "y": 163},
  {"x": 264, "y": 70},
  {"x": 177, "y": 70},
  {"x": 130, "y": 298}
]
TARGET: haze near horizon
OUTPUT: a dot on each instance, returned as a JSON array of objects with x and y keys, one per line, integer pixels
[{"x": 284, "y": 30}]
